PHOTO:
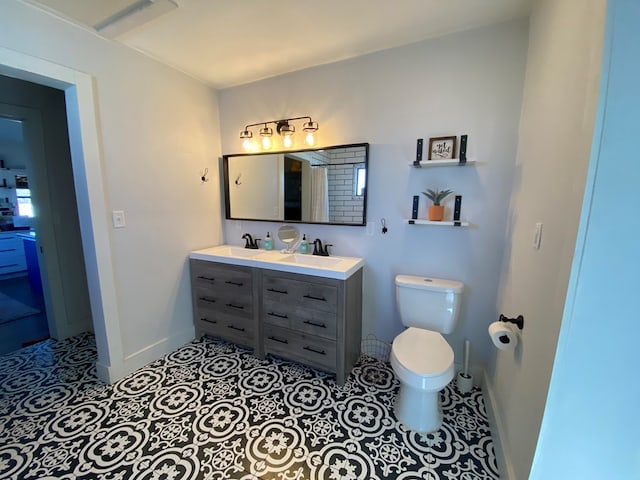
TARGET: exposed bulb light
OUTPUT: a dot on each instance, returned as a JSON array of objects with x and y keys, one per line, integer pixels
[
  {"x": 266, "y": 134},
  {"x": 247, "y": 143},
  {"x": 310, "y": 139},
  {"x": 284, "y": 128},
  {"x": 310, "y": 128},
  {"x": 287, "y": 131}
]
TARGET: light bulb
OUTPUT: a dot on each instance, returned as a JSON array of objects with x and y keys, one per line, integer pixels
[
  {"x": 310, "y": 139},
  {"x": 247, "y": 144},
  {"x": 266, "y": 143},
  {"x": 287, "y": 141}
]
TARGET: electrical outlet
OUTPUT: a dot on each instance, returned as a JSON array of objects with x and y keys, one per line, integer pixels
[{"x": 117, "y": 217}]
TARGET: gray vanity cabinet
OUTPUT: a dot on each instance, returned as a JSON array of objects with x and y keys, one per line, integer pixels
[
  {"x": 313, "y": 320},
  {"x": 225, "y": 302}
]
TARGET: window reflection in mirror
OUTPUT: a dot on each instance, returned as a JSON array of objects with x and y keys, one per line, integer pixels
[{"x": 325, "y": 185}]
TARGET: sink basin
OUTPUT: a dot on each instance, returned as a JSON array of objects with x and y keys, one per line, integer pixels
[
  {"x": 311, "y": 260},
  {"x": 231, "y": 251}
]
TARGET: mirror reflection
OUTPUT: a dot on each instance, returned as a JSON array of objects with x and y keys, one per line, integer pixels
[{"x": 327, "y": 185}]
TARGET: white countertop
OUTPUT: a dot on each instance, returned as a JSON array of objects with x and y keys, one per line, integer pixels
[{"x": 330, "y": 267}]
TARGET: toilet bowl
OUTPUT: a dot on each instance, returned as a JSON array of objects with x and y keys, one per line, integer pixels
[
  {"x": 421, "y": 358},
  {"x": 423, "y": 362}
]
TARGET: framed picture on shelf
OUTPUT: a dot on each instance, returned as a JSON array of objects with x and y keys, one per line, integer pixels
[{"x": 442, "y": 148}]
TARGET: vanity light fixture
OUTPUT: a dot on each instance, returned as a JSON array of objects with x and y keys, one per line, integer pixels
[{"x": 283, "y": 128}]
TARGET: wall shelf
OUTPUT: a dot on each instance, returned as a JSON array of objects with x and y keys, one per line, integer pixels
[
  {"x": 418, "y": 221},
  {"x": 443, "y": 163}
]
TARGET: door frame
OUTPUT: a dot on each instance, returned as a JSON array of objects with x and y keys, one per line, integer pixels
[{"x": 87, "y": 165}]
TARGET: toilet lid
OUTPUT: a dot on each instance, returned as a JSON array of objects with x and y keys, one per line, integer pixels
[{"x": 422, "y": 351}]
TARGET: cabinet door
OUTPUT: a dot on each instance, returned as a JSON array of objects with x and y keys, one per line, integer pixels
[{"x": 12, "y": 258}]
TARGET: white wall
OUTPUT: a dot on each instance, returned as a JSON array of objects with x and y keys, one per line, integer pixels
[
  {"x": 591, "y": 421},
  {"x": 560, "y": 95},
  {"x": 466, "y": 83},
  {"x": 158, "y": 130}
]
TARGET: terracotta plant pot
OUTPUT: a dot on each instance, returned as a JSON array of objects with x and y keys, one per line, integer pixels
[{"x": 436, "y": 213}]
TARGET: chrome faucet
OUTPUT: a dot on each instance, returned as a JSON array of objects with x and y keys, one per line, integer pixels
[
  {"x": 250, "y": 242},
  {"x": 318, "y": 249}
]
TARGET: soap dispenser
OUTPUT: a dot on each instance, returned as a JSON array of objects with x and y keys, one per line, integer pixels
[
  {"x": 268, "y": 242},
  {"x": 304, "y": 244}
]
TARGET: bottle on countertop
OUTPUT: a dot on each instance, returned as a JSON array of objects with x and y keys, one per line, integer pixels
[
  {"x": 304, "y": 244},
  {"x": 268, "y": 242}
]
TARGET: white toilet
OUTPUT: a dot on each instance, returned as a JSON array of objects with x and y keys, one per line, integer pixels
[{"x": 420, "y": 357}]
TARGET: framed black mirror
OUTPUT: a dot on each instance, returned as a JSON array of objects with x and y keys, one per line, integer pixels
[{"x": 324, "y": 185}]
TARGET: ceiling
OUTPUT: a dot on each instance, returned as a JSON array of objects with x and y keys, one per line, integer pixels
[{"x": 226, "y": 43}]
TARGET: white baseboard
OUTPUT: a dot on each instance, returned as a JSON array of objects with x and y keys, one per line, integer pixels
[
  {"x": 150, "y": 353},
  {"x": 496, "y": 424}
]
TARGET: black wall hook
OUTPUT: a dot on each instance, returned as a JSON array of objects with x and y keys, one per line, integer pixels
[
  {"x": 518, "y": 321},
  {"x": 203, "y": 177}
]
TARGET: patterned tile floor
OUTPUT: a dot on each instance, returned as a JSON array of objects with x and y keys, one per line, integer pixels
[{"x": 211, "y": 410}]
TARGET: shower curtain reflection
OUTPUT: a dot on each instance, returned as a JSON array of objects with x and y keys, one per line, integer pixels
[{"x": 319, "y": 195}]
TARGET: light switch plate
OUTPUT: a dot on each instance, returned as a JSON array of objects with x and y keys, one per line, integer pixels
[
  {"x": 117, "y": 217},
  {"x": 537, "y": 236}
]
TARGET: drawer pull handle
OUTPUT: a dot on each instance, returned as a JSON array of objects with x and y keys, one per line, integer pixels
[
  {"x": 274, "y": 290},
  {"x": 235, "y": 328},
  {"x": 279, "y": 340},
  {"x": 274, "y": 314},
  {"x": 311, "y": 349},
  {"x": 314, "y": 324},
  {"x": 9, "y": 265},
  {"x": 8, "y": 250},
  {"x": 207, "y": 299},
  {"x": 237, "y": 284},
  {"x": 311, "y": 297},
  {"x": 239, "y": 307},
  {"x": 205, "y": 319},
  {"x": 209, "y": 279}
]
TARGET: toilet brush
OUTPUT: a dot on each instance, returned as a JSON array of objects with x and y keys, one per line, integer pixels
[{"x": 464, "y": 380}]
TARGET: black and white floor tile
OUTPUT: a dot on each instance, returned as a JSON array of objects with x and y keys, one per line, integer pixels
[{"x": 212, "y": 411}]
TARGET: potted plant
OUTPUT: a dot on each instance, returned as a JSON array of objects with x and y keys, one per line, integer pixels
[{"x": 436, "y": 211}]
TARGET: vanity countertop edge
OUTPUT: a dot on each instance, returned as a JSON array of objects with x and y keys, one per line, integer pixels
[{"x": 343, "y": 268}]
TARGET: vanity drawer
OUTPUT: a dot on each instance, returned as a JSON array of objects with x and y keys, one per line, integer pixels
[
  {"x": 235, "y": 330},
  {"x": 224, "y": 300},
  {"x": 224, "y": 304},
  {"x": 218, "y": 275},
  {"x": 306, "y": 320},
  {"x": 300, "y": 294},
  {"x": 300, "y": 347}
]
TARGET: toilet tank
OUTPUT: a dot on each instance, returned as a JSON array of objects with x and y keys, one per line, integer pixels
[{"x": 428, "y": 303}]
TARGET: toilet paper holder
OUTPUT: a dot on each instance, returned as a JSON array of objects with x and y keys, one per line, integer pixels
[{"x": 518, "y": 321}]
